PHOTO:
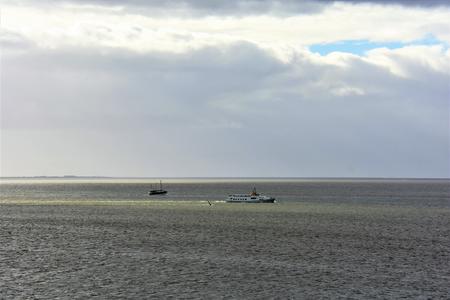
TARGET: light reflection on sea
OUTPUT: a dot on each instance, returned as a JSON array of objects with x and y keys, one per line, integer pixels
[{"x": 432, "y": 193}]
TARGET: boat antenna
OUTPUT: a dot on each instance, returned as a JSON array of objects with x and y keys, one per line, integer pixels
[{"x": 254, "y": 192}]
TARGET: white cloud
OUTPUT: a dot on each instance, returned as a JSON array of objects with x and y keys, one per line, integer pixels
[
  {"x": 81, "y": 26},
  {"x": 399, "y": 61}
]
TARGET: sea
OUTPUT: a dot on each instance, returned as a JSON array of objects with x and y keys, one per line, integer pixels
[{"x": 324, "y": 238}]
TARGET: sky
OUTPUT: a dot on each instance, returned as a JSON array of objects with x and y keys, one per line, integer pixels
[{"x": 235, "y": 88}]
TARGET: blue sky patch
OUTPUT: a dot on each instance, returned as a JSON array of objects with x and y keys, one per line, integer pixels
[{"x": 360, "y": 47}]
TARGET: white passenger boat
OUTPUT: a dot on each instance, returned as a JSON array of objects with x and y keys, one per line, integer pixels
[{"x": 254, "y": 197}]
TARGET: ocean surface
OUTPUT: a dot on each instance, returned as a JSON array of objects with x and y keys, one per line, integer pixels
[
  {"x": 432, "y": 193},
  {"x": 323, "y": 239}
]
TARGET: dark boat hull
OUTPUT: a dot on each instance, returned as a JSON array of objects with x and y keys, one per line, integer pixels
[{"x": 157, "y": 192}]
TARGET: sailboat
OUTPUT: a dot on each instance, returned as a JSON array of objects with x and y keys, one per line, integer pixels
[{"x": 159, "y": 191}]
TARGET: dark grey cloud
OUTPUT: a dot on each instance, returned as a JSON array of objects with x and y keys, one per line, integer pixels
[
  {"x": 229, "y": 7},
  {"x": 197, "y": 8},
  {"x": 221, "y": 112}
]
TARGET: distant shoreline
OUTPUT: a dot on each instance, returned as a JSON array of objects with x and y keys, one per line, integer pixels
[{"x": 69, "y": 177}]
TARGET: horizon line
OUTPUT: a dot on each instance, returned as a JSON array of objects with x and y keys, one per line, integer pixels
[{"x": 217, "y": 177}]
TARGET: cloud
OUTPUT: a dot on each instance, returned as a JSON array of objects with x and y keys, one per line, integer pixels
[
  {"x": 232, "y": 7},
  {"x": 201, "y": 88},
  {"x": 424, "y": 3},
  {"x": 10, "y": 40},
  {"x": 194, "y": 8},
  {"x": 233, "y": 111},
  {"x": 65, "y": 27}
]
